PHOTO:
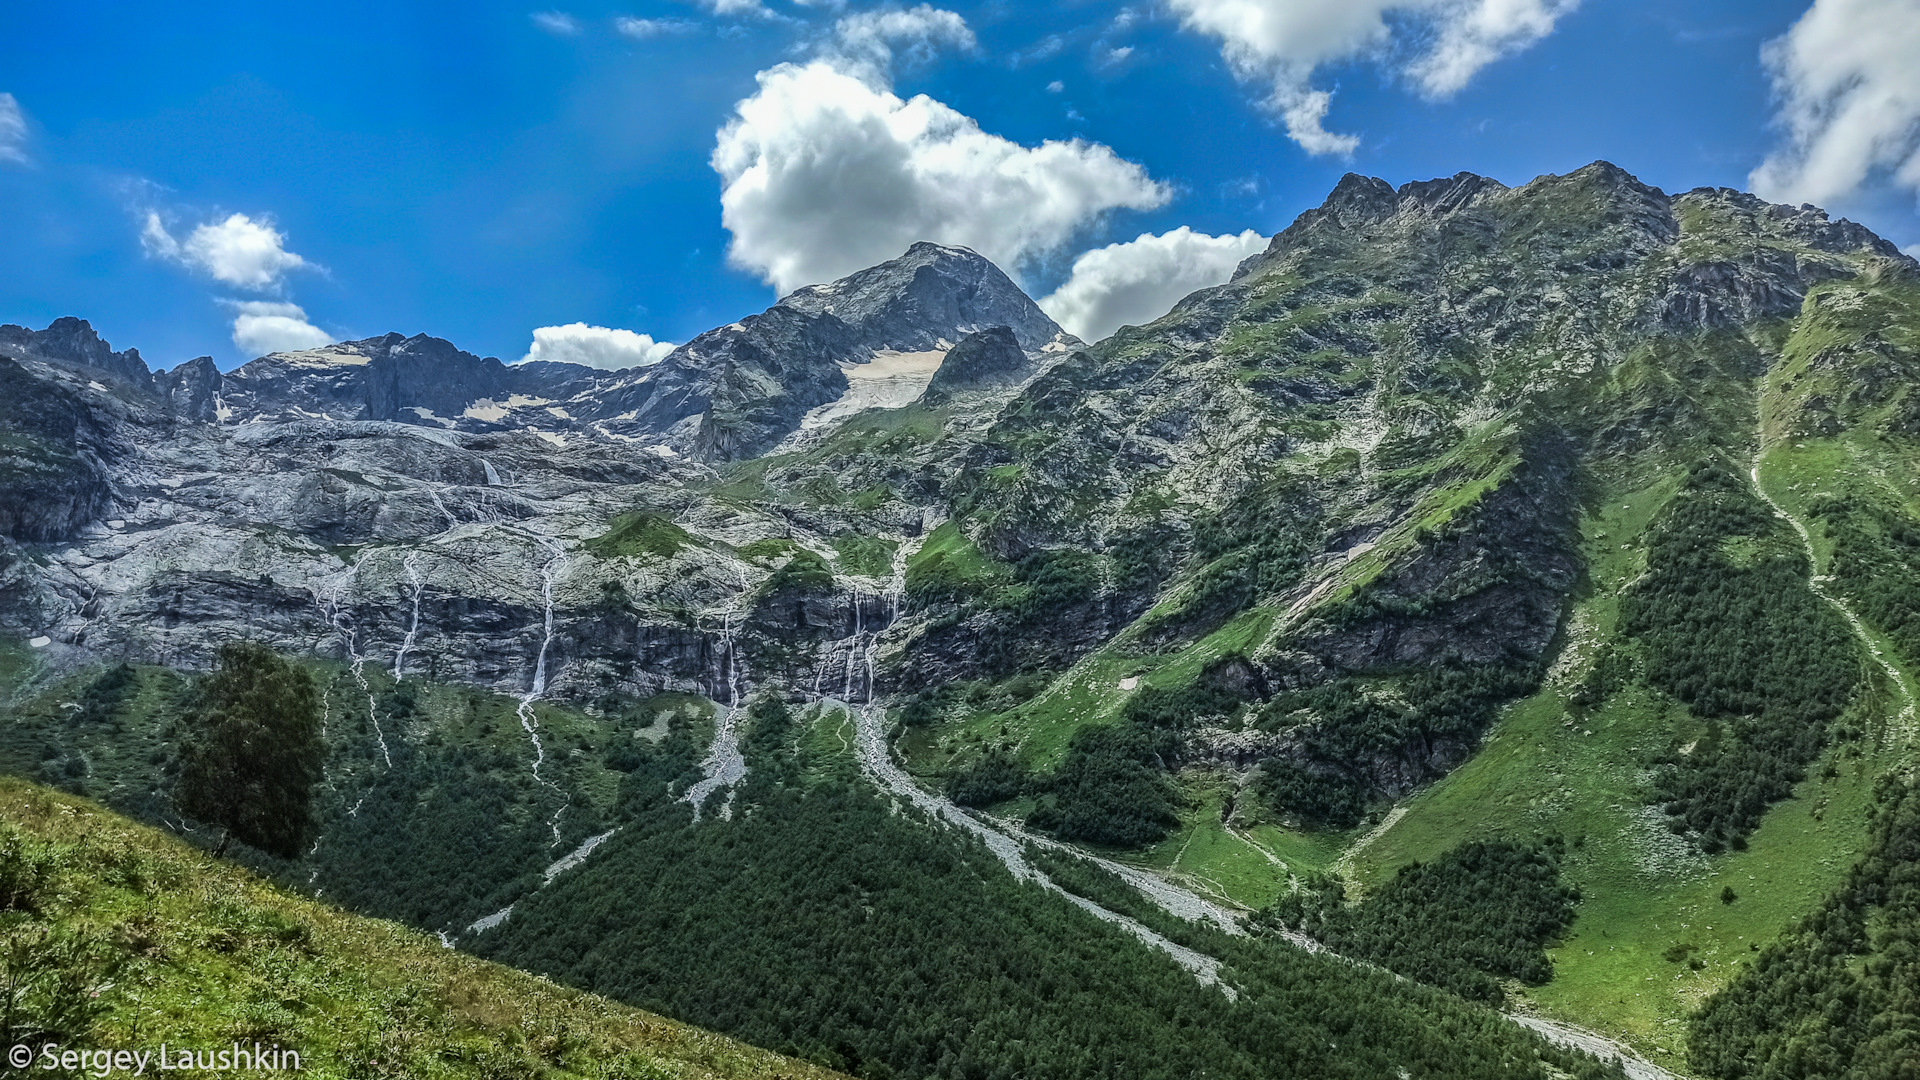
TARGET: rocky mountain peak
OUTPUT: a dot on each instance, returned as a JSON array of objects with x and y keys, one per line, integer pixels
[
  {"x": 932, "y": 294},
  {"x": 73, "y": 342},
  {"x": 192, "y": 390},
  {"x": 1447, "y": 194}
]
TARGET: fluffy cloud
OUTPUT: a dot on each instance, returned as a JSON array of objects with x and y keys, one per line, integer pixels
[
  {"x": 239, "y": 251},
  {"x": 13, "y": 131},
  {"x": 824, "y": 172},
  {"x": 261, "y": 327},
  {"x": 1848, "y": 78},
  {"x": 556, "y": 22},
  {"x": 1472, "y": 35},
  {"x": 1280, "y": 43},
  {"x": 1140, "y": 280},
  {"x": 871, "y": 36},
  {"x": 642, "y": 29},
  {"x": 596, "y": 346}
]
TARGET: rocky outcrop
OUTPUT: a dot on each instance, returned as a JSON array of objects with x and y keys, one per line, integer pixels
[
  {"x": 72, "y": 343},
  {"x": 731, "y": 392},
  {"x": 192, "y": 390},
  {"x": 928, "y": 298},
  {"x": 1356, "y": 460},
  {"x": 987, "y": 359},
  {"x": 54, "y": 478}
]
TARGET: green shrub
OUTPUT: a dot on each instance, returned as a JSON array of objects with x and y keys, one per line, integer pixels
[
  {"x": 805, "y": 572},
  {"x": 640, "y": 532},
  {"x": 1481, "y": 912}
]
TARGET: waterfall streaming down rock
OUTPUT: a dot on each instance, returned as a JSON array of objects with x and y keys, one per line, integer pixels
[{"x": 548, "y": 571}]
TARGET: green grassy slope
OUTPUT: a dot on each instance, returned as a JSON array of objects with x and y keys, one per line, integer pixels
[{"x": 123, "y": 937}]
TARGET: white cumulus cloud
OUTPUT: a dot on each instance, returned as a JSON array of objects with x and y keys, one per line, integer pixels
[
  {"x": 1280, "y": 43},
  {"x": 238, "y": 250},
  {"x": 1140, "y": 280},
  {"x": 595, "y": 346},
  {"x": 261, "y": 327},
  {"x": 825, "y": 171},
  {"x": 872, "y": 36},
  {"x": 13, "y": 130},
  {"x": 1472, "y": 35},
  {"x": 1848, "y": 79}
]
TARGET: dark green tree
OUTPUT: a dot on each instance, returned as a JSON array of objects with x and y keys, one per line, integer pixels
[{"x": 251, "y": 751}]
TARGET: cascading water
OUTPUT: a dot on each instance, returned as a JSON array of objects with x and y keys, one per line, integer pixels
[
  {"x": 724, "y": 766},
  {"x": 331, "y": 610},
  {"x": 853, "y": 647},
  {"x": 548, "y": 571},
  {"x": 1006, "y": 843},
  {"x": 452, "y": 522},
  {"x": 871, "y": 741},
  {"x": 413, "y": 629}
]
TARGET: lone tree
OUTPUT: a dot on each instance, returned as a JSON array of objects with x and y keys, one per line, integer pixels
[{"x": 251, "y": 750}]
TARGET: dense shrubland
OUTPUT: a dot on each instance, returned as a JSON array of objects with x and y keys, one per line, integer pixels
[
  {"x": 1732, "y": 629},
  {"x": 1480, "y": 913}
]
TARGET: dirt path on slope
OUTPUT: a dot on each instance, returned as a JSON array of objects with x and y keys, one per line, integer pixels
[{"x": 1903, "y": 722}]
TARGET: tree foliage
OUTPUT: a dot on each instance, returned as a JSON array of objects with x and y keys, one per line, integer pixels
[
  {"x": 834, "y": 923},
  {"x": 1350, "y": 730},
  {"x": 1834, "y": 997},
  {"x": 1481, "y": 912},
  {"x": 1732, "y": 629},
  {"x": 251, "y": 750}
]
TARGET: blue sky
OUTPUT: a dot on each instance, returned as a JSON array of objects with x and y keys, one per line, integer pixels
[{"x": 476, "y": 171}]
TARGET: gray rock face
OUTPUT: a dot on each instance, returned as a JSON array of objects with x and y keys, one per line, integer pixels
[
  {"x": 192, "y": 390},
  {"x": 1360, "y": 454},
  {"x": 983, "y": 360},
  {"x": 72, "y": 343},
  {"x": 418, "y": 380},
  {"x": 757, "y": 378},
  {"x": 926, "y": 299},
  {"x": 53, "y": 458}
]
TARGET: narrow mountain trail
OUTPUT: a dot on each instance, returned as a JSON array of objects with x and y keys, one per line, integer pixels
[{"x": 1902, "y": 724}]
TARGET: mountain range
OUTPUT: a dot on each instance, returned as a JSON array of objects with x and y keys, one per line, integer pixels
[{"x": 1558, "y": 543}]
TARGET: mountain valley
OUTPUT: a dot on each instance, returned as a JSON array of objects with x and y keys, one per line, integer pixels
[{"x": 1492, "y": 603}]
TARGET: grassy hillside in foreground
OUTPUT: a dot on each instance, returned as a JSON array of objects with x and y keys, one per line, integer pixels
[{"x": 117, "y": 936}]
